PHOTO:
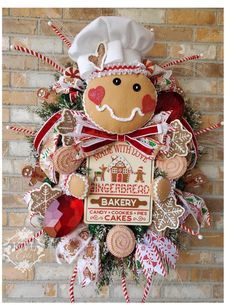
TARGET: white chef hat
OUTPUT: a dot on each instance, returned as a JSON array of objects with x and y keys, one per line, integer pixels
[{"x": 120, "y": 41}]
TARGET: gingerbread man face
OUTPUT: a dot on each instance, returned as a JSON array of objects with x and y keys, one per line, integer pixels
[{"x": 120, "y": 104}]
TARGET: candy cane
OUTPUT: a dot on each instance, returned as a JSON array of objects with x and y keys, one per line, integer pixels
[
  {"x": 38, "y": 55},
  {"x": 124, "y": 285},
  {"x": 59, "y": 34},
  {"x": 181, "y": 60},
  {"x": 157, "y": 254},
  {"x": 72, "y": 282},
  {"x": 24, "y": 131},
  {"x": 190, "y": 231},
  {"x": 209, "y": 128},
  {"x": 147, "y": 289},
  {"x": 29, "y": 240}
]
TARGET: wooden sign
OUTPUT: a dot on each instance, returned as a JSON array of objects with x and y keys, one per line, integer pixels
[{"x": 120, "y": 179}]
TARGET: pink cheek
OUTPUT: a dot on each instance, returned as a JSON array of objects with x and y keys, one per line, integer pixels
[
  {"x": 148, "y": 104},
  {"x": 96, "y": 95}
]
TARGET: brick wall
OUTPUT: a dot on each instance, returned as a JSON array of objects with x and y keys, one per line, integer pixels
[{"x": 178, "y": 32}]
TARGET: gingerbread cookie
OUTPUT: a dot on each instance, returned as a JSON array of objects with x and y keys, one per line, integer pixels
[
  {"x": 179, "y": 141},
  {"x": 36, "y": 174},
  {"x": 166, "y": 214},
  {"x": 98, "y": 59},
  {"x": 174, "y": 167},
  {"x": 66, "y": 160},
  {"x": 120, "y": 241},
  {"x": 76, "y": 185},
  {"x": 68, "y": 124},
  {"x": 134, "y": 105},
  {"x": 42, "y": 197},
  {"x": 161, "y": 188}
]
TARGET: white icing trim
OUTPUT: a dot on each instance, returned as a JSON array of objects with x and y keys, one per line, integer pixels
[
  {"x": 155, "y": 184},
  {"x": 117, "y": 118},
  {"x": 156, "y": 181},
  {"x": 103, "y": 73},
  {"x": 86, "y": 185}
]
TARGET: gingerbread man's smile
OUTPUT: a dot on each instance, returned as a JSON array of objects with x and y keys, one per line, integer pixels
[{"x": 121, "y": 119}]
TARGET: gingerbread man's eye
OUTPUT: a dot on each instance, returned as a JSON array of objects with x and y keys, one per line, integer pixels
[
  {"x": 136, "y": 87},
  {"x": 117, "y": 81}
]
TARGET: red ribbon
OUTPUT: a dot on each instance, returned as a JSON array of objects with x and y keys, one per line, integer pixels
[
  {"x": 73, "y": 93},
  {"x": 45, "y": 129},
  {"x": 105, "y": 138}
]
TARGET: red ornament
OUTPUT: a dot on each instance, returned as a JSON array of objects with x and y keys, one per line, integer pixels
[
  {"x": 170, "y": 101},
  {"x": 63, "y": 215}
]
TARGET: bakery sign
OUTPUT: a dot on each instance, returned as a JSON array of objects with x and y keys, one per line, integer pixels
[{"x": 120, "y": 179}]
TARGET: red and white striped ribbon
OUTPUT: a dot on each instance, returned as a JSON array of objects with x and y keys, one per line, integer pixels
[
  {"x": 40, "y": 56},
  {"x": 29, "y": 240},
  {"x": 72, "y": 282},
  {"x": 209, "y": 128},
  {"x": 59, "y": 34},
  {"x": 181, "y": 60},
  {"x": 147, "y": 289},
  {"x": 22, "y": 130},
  {"x": 123, "y": 284},
  {"x": 159, "y": 262},
  {"x": 188, "y": 230}
]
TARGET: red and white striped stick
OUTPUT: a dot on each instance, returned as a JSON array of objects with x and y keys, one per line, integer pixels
[
  {"x": 72, "y": 282},
  {"x": 21, "y": 130},
  {"x": 124, "y": 285},
  {"x": 181, "y": 60},
  {"x": 29, "y": 240},
  {"x": 38, "y": 55},
  {"x": 59, "y": 34},
  {"x": 209, "y": 128},
  {"x": 190, "y": 231},
  {"x": 147, "y": 289}
]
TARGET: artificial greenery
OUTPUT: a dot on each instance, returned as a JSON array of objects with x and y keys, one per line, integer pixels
[{"x": 110, "y": 265}]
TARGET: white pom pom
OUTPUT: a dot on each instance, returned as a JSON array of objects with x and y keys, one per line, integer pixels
[
  {"x": 222, "y": 123},
  {"x": 49, "y": 22},
  {"x": 200, "y": 237},
  {"x": 12, "y": 47},
  {"x": 152, "y": 29},
  {"x": 7, "y": 127},
  {"x": 201, "y": 55}
]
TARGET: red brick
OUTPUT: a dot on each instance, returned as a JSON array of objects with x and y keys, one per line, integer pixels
[
  {"x": 191, "y": 16},
  {"x": 209, "y": 34},
  {"x": 210, "y": 69},
  {"x": 19, "y": 26},
  {"x": 19, "y": 97},
  {"x": 158, "y": 50},
  {"x": 86, "y": 13},
  {"x": 172, "y": 33},
  {"x": 210, "y": 239},
  {"x": 37, "y": 12}
]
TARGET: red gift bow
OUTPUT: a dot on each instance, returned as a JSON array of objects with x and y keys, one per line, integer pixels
[{"x": 101, "y": 138}]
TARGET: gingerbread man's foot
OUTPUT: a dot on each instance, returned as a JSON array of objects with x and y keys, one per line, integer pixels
[{"x": 75, "y": 185}]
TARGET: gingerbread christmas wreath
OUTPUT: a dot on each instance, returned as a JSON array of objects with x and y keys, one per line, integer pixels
[{"x": 113, "y": 157}]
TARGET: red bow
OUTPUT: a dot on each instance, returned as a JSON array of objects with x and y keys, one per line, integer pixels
[{"x": 99, "y": 138}]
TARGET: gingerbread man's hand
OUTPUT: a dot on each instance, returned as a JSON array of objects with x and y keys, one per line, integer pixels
[{"x": 76, "y": 185}]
